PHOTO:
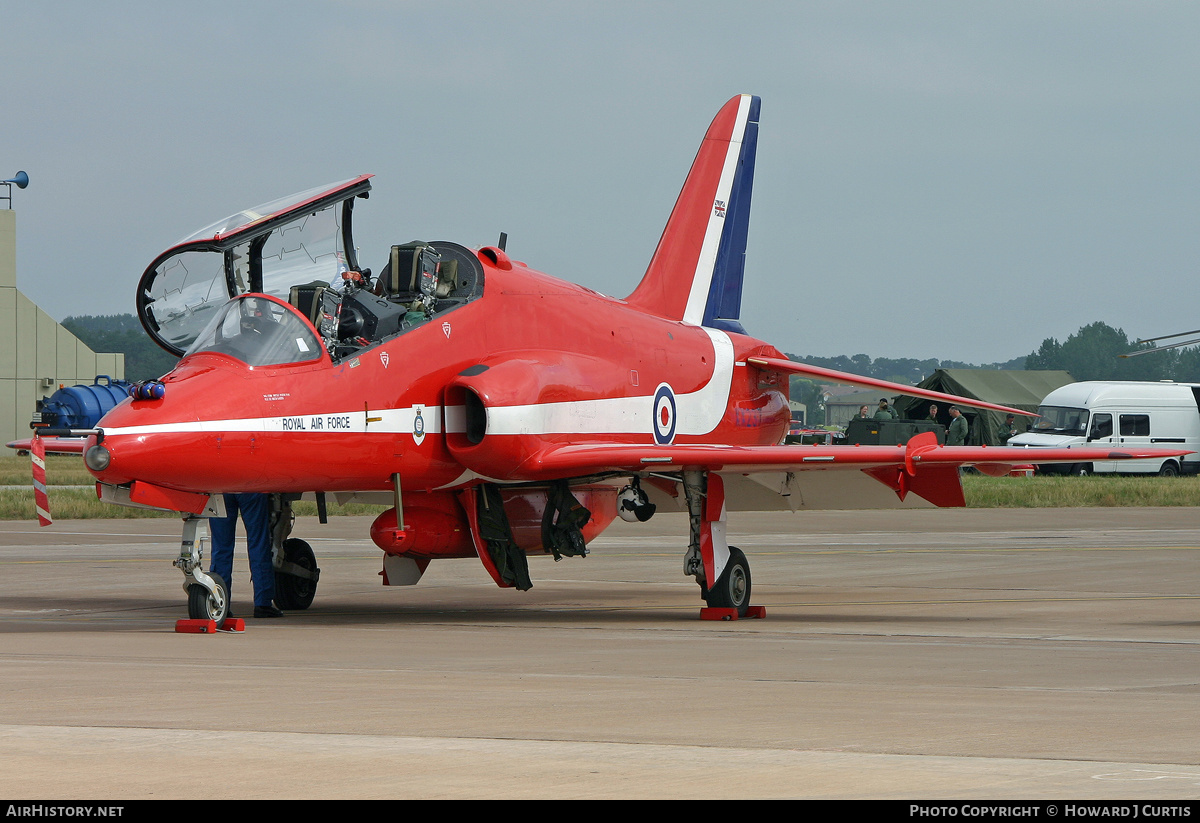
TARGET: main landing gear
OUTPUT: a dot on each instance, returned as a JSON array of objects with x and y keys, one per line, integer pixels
[
  {"x": 732, "y": 590},
  {"x": 710, "y": 557},
  {"x": 296, "y": 572},
  {"x": 296, "y": 577}
]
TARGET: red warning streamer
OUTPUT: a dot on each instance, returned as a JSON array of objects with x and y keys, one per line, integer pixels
[{"x": 37, "y": 453}]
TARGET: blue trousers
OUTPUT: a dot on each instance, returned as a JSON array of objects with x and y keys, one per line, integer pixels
[{"x": 256, "y": 515}]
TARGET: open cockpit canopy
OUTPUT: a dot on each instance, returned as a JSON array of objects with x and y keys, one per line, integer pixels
[{"x": 267, "y": 249}]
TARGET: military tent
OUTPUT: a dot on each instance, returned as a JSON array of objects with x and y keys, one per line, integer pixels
[{"x": 1018, "y": 389}]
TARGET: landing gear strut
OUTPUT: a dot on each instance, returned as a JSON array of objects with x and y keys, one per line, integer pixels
[
  {"x": 208, "y": 597},
  {"x": 709, "y": 557},
  {"x": 296, "y": 572}
]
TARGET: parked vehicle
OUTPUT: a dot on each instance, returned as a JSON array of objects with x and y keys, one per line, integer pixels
[
  {"x": 871, "y": 432},
  {"x": 1121, "y": 414},
  {"x": 81, "y": 406}
]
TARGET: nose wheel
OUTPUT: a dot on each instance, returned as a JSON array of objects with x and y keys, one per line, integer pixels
[{"x": 209, "y": 605}]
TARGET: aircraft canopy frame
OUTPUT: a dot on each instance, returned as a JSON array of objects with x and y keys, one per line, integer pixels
[{"x": 266, "y": 249}]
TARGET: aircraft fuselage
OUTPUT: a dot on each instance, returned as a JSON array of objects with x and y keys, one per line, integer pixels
[{"x": 470, "y": 394}]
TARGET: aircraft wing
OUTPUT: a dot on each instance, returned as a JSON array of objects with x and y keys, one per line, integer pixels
[
  {"x": 54, "y": 445},
  {"x": 922, "y": 466},
  {"x": 778, "y": 364},
  {"x": 920, "y": 452}
]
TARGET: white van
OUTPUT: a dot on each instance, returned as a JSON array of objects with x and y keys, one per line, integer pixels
[{"x": 1120, "y": 414}]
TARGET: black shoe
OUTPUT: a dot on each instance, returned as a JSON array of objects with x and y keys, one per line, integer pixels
[{"x": 267, "y": 611}]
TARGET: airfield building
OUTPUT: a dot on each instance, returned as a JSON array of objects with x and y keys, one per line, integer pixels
[{"x": 37, "y": 355}]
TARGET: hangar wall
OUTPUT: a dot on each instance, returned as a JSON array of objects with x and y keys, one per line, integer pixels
[{"x": 36, "y": 353}]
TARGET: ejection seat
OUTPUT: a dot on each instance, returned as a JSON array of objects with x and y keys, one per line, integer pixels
[
  {"x": 309, "y": 299},
  {"x": 416, "y": 275},
  {"x": 322, "y": 305}
]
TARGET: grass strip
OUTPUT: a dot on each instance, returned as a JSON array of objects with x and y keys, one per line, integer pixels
[{"x": 981, "y": 493}]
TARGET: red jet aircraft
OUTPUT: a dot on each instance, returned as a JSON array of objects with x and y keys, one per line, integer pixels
[{"x": 498, "y": 410}]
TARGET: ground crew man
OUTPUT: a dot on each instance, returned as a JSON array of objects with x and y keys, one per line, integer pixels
[{"x": 957, "y": 434}]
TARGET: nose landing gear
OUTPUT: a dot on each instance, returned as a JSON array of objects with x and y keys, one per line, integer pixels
[
  {"x": 209, "y": 605},
  {"x": 208, "y": 597}
]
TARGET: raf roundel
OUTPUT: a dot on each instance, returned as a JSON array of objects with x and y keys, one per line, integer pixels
[{"x": 664, "y": 415}]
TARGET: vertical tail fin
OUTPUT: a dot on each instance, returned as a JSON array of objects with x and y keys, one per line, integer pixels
[{"x": 696, "y": 272}]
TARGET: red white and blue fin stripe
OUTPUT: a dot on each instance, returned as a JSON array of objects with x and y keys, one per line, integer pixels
[{"x": 696, "y": 272}]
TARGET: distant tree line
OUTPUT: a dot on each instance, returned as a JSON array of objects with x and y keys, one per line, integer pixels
[
  {"x": 1094, "y": 353},
  {"x": 144, "y": 360}
]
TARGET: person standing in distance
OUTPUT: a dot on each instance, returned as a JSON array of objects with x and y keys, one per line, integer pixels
[{"x": 957, "y": 433}]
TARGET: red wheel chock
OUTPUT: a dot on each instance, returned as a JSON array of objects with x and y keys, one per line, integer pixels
[
  {"x": 231, "y": 624},
  {"x": 753, "y": 612}
]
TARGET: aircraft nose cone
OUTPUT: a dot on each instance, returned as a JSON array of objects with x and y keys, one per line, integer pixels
[
  {"x": 177, "y": 434},
  {"x": 129, "y": 447}
]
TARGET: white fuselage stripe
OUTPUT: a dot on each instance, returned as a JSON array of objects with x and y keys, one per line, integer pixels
[
  {"x": 698, "y": 412},
  {"x": 341, "y": 422}
]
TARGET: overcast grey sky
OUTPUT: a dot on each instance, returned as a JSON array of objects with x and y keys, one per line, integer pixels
[{"x": 934, "y": 179}]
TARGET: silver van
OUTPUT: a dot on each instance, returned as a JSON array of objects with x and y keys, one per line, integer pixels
[{"x": 1120, "y": 414}]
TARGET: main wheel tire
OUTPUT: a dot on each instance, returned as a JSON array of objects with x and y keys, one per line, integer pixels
[
  {"x": 1169, "y": 469},
  {"x": 1081, "y": 469},
  {"x": 206, "y": 605},
  {"x": 293, "y": 593},
  {"x": 732, "y": 590}
]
